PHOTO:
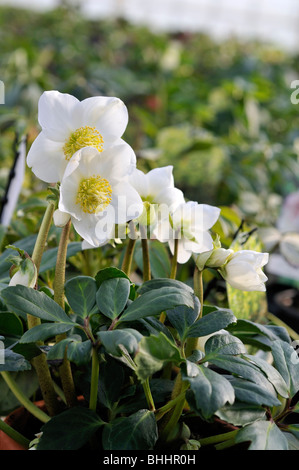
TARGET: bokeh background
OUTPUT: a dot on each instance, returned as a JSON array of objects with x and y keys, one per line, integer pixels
[{"x": 208, "y": 87}]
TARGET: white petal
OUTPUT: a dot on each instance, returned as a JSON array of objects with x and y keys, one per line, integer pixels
[
  {"x": 126, "y": 202},
  {"x": 108, "y": 114},
  {"x": 183, "y": 254},
  {"x": 171, "y": 197},
  {"x": 159, "y": 179},
  {"x": 60, "y": 218},
  {"x": 116, "y": 162},
  {"x": 46, "y": 159},
  {"x": 56, "y": 114},
  {"x": 139, "y": 181}
]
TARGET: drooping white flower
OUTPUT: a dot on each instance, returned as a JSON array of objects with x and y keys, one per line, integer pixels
[
  {"x": 95, "y": 193},
  {"x": 243, "y": 270},
  {"x": 157, "y": 191},
  {"x": 25, "y": 274},
  {"x": 189, "y": 223},
  {"x": 69, "y": 125}
]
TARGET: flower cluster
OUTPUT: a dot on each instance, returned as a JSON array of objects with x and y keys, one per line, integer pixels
[{"x": 80, "y": 147}]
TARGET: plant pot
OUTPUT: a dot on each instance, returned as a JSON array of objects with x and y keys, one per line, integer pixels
[{"x": 22, "y": 421}]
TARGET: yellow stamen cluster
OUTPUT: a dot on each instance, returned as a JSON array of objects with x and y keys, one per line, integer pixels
[
  {"x": 94, "y": 194},
  {"x": 83, "y": 137}
]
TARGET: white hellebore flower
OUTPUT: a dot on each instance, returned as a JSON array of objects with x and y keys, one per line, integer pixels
[
  {"x": 189, "y": 223},
  {"x": 25, "y": 274},
  {"x": 243, "y": 270},
  {"x": 69, "y": 125},
  {"x": 157, "y": 191},
  {"x": 94, "y": 192}
]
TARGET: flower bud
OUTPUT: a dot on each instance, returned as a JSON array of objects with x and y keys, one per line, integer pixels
[
  {"x": 24, "y": 274},
  {"x": 243, "y": 270}
]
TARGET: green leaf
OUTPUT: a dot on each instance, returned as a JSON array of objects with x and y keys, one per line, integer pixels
[
  {"x": 111, "y": 381},
  {"x": 78, "y": 351},
  {"x": 155, "y": 301},
  {"x": 286, "y": 362},
  {"x": 136, "y": 432},
  {"x": 209, "y": 391},
  {"x": 154, "y": 352},
  {"x": 223, "y": 344},
  {"x": 243, "y": 368},
  {"x": 69, "y": 430},
  {"x": 50, "y": 256},
  {"x": 112, "y": 296},
  {"x": 23, "y": 300},
  {"x": 80, "y": 292},
  {"x": 212, "y": 322},
  {"x": 161, "y": 282},
  {"x": 14, "y": 362},
  {"x": 240, "y": 414},
  {"x": 294, "y": 429},
  {"x": 109, "y": 273},
  {"x": 252, "y": 393},
  {"x": 45, "y": 331},
  {"x": 262, "y": 435},
  {"x": 10, "y": 324},
  {"x": 272, "y": 374},
  {"x": 127, "y": 337},
  {"x": 182, "y": 317}
]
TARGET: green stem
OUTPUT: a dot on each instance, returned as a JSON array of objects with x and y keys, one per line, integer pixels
[
  {"x": 173, "y": 416},
  {"x": 34, "y": 410},
  {"x": 198, "y": 287},
  {"x": 171, "y": 404},
  {"x": 218, "y": 438},
  {"x": 42, "y": 236},
  {"x": 174, "y": 262},
  {"x": 15, "y": 435},
  {"x": 94, "y": 385},
  {"x": 148, "y": 395},
  {"x": 65, "y": 370},
  {"x": 40, "y": 362},
  {"x": 191, "y": 343},
  {"x": 145, "y": 255},
  {"x": 127, "y": 261}
]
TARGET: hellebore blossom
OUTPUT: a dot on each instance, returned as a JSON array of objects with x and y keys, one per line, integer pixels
[
  {"x": 214, "y": 258},
  {"x": 95, "y": 194},
  {"x": 157, "y": 191},
  {"x": 243, "y": 270},
  {"x": 23, "y": 271},
  {"x": 69, "y": 125},
  {"x": 189, "y": 223}
]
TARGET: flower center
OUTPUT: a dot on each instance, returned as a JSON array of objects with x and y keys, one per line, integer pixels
[
  {"x": 94, "y": 194},
  {"x": 83, "y": 137}
]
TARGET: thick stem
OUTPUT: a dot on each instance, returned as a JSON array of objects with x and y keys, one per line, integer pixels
[
  {"x": 174, "y": 262},
  {"x": 145, "y": 255},
  {"x": 227, "y": 436},
  {"x": 198, "y": 287},
  {"x": 148, "y": 395},
  {"x": 40, "y": 362},
  {"x": 65, "y": 369},
  {"x": 34, "y": 410},
  {"x": 191, "y": 343},
  {"x": 94, "y": 385},
  {"x": 127, "y": 261}
]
